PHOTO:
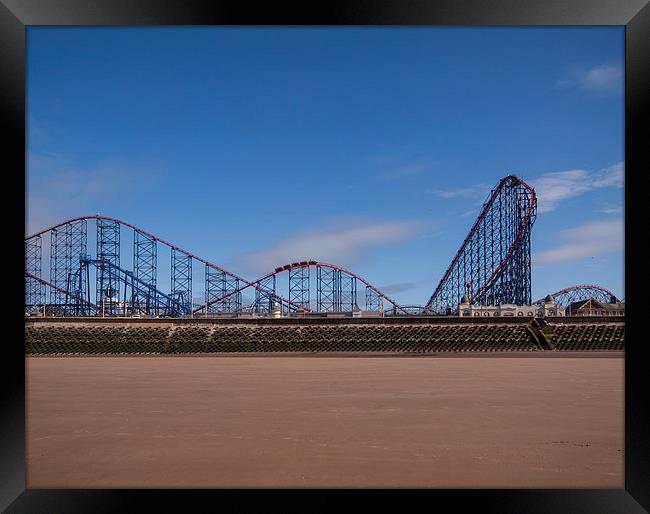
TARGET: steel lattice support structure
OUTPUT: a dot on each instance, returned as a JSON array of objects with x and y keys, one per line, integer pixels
[
  {"x": 59, "y": 265},
  {"x": 234, "y": 302},
  {"x": 118, "y": 291},
  {"x": 145, "y": 258},
  {"x": 328, "y": 289},
  {"x": 133, "y": 288},
  {"x": 336, "y": 290},
  {"x": 213, "y": 289},
  {"x": 108, "y": 253},
  {"x": 145, "y": 266},
  {"x": 182, "y": 278},
  {"x": 91, "y": 308},
  {"x": 348, "y": 292},
  {"x": 34, "y": 289},
  {"x": 374, "y": 302},
  {"x": 492, "y": 266},
  {"x": 299, "y": 286},
  {"x": 264, "y": 301},
  {"x": 78, "y": 288},
  {"x": 67, "y": 244},
  {"x": 217, "y": 285}
]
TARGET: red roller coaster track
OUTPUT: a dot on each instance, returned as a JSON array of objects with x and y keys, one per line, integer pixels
[
  {"x": 574, "y": 288},
  {"x": 287, "y": 267}
]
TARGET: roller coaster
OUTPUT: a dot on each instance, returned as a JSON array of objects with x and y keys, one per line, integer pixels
[
  {"x": 567, "y": 296},
  {"x": 491, "y": 267},
  {"x": 119, "y": 292}
]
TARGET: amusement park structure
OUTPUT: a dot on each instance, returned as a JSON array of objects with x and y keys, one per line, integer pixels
[
  {"x": 491, "y": 267},
  {"x": 118, "y": 291},
  {"x": 567, "y": 296}
]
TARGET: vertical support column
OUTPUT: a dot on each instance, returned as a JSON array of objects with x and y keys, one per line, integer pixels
[
  {"x": 505, "y": 230},
  {"x": 462, "y": 287},
  {"x": 78, "y": 242},
  {"x": 77, "y": 249},
  {"x": 517, "y": 256},
  {"x": 504, "y": 290},
  {"x": 58, "y": 268},
  {"x": 234, "y": 302},
  {"x": 525, "y": 199},
  {"x": 145, "y": 264},
  {"x": 265, "y": 302},
  {"x": 328, "y": 289},
  {"x": 219, "y": 284},
  {"x": 484, "y": 273},
  {"x": 348, "y": 292},
  {"x": 145, "y": 258},
  {"x": 512, "y": 265},
  {"x": 502, "y": 242},
  {"x": 67, "y": 244},
  {"x": 78, "y": 285},
  {"x": 34, "y": 296},
  {"x": 212, "y": 288},
  {"x": 474, "y": 245},
  {"x": 374, "y": 302},
  {"x": 34, "y": 290},
  {"x": 493, "y": 262},
  {"x": 108, "y": 252},
  {"x": 299, "y": 286},
  {"x": 182, "y": 278}
]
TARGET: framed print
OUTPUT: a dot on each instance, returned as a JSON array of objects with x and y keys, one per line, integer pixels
[{"x": 360, "y": 254}]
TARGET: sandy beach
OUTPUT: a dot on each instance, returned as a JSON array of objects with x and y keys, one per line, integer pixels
[{"x": 291, "y": 421}]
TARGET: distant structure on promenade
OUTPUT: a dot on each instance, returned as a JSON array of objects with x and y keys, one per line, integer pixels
[
  {"x": 587, "y": 300},
  {"x": 549, "y": 308}
]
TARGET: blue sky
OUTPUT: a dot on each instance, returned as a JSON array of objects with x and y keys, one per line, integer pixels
[{"x": 372, "y": 148}]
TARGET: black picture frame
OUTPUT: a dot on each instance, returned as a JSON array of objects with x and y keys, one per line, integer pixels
[{"x": 16, "y": 15}]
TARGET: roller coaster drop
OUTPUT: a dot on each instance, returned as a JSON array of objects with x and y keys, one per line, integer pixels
[{"x": 492, "y": 266}]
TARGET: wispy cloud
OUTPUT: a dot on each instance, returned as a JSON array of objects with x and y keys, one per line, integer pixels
[
  {"x": 475, "y": 192},
  {"x": 611, "y": 209},
  {"x": 430, "y": 235},
  {"x": 398, "y": 288},
  {"x": 343, "y": 244},
  {"x": 586, "y": 241},
  {"x": 60, "y": 187},
  {"x": 601, "y": 78},
  {"x": 554, "y": 187},
  {"x": 471, "y": 212},
  {"x": 551, "y": 188},
  {"x": 403, "y": 163}
]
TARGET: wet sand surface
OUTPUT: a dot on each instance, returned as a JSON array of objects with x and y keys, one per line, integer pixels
[{"x": 476, "y": 422}]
